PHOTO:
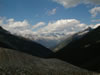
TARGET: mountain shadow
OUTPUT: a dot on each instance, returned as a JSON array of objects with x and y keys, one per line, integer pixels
[
  {"x": 14, "y": 42},
  {"x": 83, "y": 52}
]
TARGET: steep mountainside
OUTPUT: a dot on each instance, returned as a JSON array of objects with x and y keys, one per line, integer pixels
[
  {"x": 71, "y": 38},
  {"x": 83, "y": 52},
  {"x": 22, "y": 44}
]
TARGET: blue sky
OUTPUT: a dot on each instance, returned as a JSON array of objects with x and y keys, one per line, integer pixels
[
  {"x": 49, "y": 20},
  {"x": 37, "y": 10}
]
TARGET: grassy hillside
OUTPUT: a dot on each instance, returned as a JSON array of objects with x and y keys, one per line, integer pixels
[{"x": 18, "y": 63}]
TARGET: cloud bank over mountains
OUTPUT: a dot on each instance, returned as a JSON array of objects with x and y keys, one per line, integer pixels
[
  {"x": 45, "y": 33},
  {"x": 64, "y": 26}
]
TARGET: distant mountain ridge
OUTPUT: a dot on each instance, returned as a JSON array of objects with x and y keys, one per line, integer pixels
[
  {"x": 23, "y": 44},
  {"x": 71, "y": 38}
]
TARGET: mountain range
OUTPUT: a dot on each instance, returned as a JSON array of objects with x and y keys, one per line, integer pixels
[{"x": 21, "y": 56}]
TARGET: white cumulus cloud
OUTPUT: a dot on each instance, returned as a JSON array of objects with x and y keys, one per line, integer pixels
[
  {"x": 68, "y": 3},
  {"x": 73, "y": 3},
  {"x": 13, "y": 24},
  {"x": 95, "y": 11},
  {"x": 63, "y": 26}
]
